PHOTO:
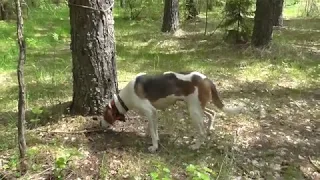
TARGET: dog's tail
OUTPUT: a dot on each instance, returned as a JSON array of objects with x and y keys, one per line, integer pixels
[{"x": 219, "y": 104}]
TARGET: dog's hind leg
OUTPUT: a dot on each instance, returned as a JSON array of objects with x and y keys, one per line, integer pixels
[
  {"x": 197, "y": 116},
  {"x": 212, "y": 116}
]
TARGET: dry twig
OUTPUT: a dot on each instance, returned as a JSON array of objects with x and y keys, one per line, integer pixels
[
  {"x": 42, "y": 172},
  {"x": 74, "y": 132},
  {"x": 314, "y": 165}
]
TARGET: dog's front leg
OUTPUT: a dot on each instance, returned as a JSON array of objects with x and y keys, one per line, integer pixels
[{"x": 152, "y": 118}]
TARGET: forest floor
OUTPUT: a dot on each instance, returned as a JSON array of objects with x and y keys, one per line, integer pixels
[{"x": 277, "y": 137}]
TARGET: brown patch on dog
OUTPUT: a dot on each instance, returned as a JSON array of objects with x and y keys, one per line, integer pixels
[
  {"x": 139, "y": 91},
  {"x": 215, "y": 96},
  {"x": 107, "y": 115},
  {"x": 204, "y": 95},
  {"x": 160, "y": 86},
  {"x": 112, "y": 114},
  {"x": 155, "y": 87}
]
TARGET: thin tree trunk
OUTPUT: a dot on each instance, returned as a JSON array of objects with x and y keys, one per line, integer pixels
[
  {"x": 210, "y": 5},
  {"x": 277, "y": 15},
  {"x": 206, "y": 25},
  {"x": 170, "y": 16},
  {"x": 93, "y": 55},
  {"x": 263, "y": 23},
  {"x": 21, "y": 104}
]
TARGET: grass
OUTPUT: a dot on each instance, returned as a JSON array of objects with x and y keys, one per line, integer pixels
[{"x": 282, "y": 81}]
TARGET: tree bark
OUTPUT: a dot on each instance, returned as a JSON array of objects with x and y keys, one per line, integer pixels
[
  {"x": 263, "y": 23},
  {"x": 191, "y": 9},
  {"x": 21, "y": 103},
  {"x": 170, "y": 16},
  {"x": 93, "y": 55},
  {"x": 277, "y": 14}
]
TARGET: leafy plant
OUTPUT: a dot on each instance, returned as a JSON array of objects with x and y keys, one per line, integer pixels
[
  {"x": 200, "y": 173},
  {"x": 36, "y": 113},
  {"x": 237, "y": 26},
  {"x": 135, "y": 8},
  {"x": 60, "y": 164},
  {"x": 161, "y": 173}
]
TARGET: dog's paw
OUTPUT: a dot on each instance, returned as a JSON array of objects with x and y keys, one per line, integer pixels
[
  {"x": 211, "y": 128},
  {"x": 152, "y": 149}
]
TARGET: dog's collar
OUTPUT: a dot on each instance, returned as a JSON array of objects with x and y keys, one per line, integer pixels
[{"x": 122, "y": 103}]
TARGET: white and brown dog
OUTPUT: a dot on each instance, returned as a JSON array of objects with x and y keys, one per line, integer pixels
[{"x": 146, "y": 93}]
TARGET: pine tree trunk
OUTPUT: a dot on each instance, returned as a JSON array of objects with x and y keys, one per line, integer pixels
[
  {"x": 21, "y": 103},
  {"x": 171, "y": 16},
  {"x": 122, "y": 3},
  {"x": 93, "y": 55},
  {"x": 4, "y": 7},
  {"x": 263, "y": 23},
  {"x": 191, "y": 9},
  {"x": 277, "y": 15}
]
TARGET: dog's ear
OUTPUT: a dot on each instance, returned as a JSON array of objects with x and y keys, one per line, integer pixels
[
  {"x": 121, "y": 117},
  {"x": 114, "y": 96},
  {"x": 107, "y": 115}
]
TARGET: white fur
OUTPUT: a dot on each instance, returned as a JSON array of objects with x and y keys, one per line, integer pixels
[
  {"x": 186, "y": 77},
  {"x": 145, "y": 107},
  {"x": 140, "y": 74}
]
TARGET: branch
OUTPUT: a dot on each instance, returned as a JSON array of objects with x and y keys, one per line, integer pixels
[
  {"x": 73, "y": 132},
  {"x": 218, "y": 26},
  {"x": 313, "y": 164}
]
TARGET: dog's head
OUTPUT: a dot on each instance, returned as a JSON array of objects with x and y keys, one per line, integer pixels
[{"x": 111, "y": 114}]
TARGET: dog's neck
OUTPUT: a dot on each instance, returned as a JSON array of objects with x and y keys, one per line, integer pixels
[{"x": 120, "y": 104}]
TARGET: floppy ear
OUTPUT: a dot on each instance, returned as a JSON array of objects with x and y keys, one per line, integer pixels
[
  {"x": 107, "y": 115},
  {"x": 122, "y": 118},
  {"x": 109, "y": 105}
]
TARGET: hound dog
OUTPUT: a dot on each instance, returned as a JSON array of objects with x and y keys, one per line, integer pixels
[{"x": 147, "y": 93}]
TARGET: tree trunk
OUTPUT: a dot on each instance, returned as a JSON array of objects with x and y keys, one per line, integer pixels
[
  {"x": 122, "y": 3},
  {"x": 191, "y": 9},
  {"x": 170, "y": 16},
  {"x": 93, "y": 55},
  {"x": 210, "y": 5},
  {"x": 21, "y": 104},
  {"x": 277, "y": 14},
  {"x": 4, "y": 10},
  {"x": 263, "y": 23}
]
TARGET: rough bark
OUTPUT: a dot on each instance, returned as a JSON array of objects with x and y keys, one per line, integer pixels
[
  {"x": 277, "y": 13},
  {"x": 93, "y": 55},
  {"x": 170, "y": 16},
  {"x": 263, "y": 23},
  {"x": 191, "y": 9},
  {"x": 21, "y": 103}
]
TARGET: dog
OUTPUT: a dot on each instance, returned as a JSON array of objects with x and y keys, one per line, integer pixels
[{"x": 147, "y": 93}]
